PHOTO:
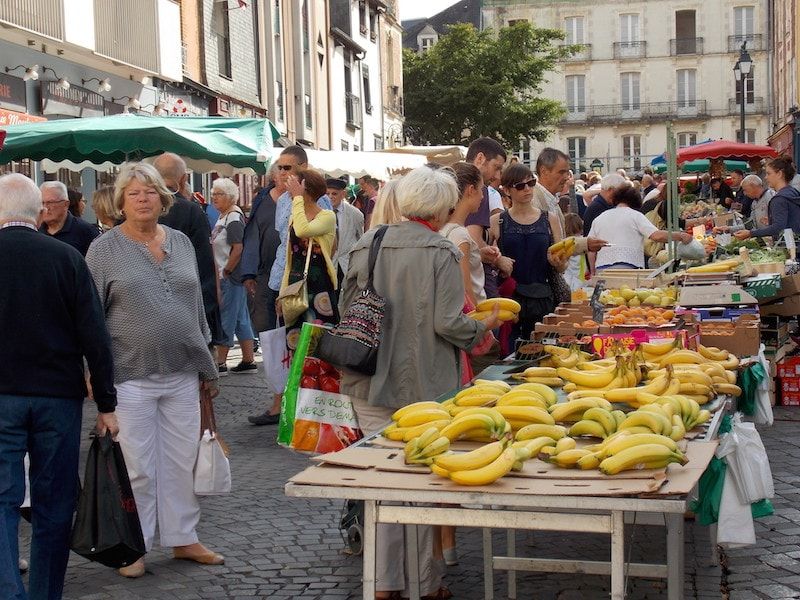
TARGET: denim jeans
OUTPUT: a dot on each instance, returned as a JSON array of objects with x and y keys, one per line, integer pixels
[
  {"x": 235, "y": 316},
  {"x": 49, "y": 430}
]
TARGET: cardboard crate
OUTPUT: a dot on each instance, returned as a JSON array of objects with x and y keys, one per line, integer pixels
[
  {"x": 718, "y": 294},
  {"x": 789, "y": 367},
  {"x": 790, "y": 385},
  {"x": 786, "y": 307},
  {"x": 741, "y": 337},
  {"x": 790, "y": 286},
  {"x": 790, "y": 399}
]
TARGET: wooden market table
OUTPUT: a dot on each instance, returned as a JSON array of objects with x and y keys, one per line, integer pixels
[{"x": 541, "y": 504}]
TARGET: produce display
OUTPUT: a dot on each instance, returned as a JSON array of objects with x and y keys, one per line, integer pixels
[
  {"x": 639, "y": 315},
  {"x": 625, "y": 296}
]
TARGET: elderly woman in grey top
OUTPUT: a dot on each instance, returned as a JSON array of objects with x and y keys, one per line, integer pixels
[
  {"x": 418, "y": 273},
  {"x": 147, "y": 278}
]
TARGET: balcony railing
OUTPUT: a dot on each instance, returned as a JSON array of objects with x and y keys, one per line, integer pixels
[
  {"x": 394, "y": 101},
  {"x": 117, "y": 38},
  {"x": 352, "y": 110},
  {"x": 754, "y": 42},
  {"x": 623, "y": 50},
  {"x": 680, "y": 46},
  {"x": 645, "y": 111},
  {"x": 584, "y": 54},
  {"x": 757, "y": 106},
  {"x": 44, "y": 17}
]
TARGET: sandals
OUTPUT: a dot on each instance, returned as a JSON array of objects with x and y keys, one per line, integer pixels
[{"x": 441, "y": 594}]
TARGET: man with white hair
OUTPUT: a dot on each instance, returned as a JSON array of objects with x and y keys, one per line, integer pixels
[
  {"x": 648, "y": 185},
  {"x": 756, "y": 200},
  {"x": 52, "y": 319},
  {"x": 59, "y": 223},
  {"x": 604, "y": 200}
]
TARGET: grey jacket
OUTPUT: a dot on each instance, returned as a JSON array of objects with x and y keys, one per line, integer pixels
[
  {"x": 349, "y": 228},
  {"x": 417, "y": 271}
]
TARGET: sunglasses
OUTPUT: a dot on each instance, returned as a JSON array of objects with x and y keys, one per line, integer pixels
[
  {"x": 531, "y": 183},
  {"x": 284, "y": 167}
]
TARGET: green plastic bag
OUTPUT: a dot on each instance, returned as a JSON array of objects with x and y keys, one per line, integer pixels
[
  {"x": 762, "y": 508},
  {"x": 706, "y": 507},
  {"x": 749, "y": 379}
]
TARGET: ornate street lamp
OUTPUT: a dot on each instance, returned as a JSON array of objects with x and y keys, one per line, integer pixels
[{"x": 741, "y": 71}]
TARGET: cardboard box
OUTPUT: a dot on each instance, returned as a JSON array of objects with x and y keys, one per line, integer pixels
[
  {"x": 720, "y": 294},
  {"x": 790, "y": 286},
  {"x": 720, "y": 313},
  {"x": 789, "y": 367},
  {"x": 741, "y": 337},
  {"x": 787, "y": 307},
  {"x": 633, "y": 278}
]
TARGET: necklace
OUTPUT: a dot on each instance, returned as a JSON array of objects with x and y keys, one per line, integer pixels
[{"x": 145, "y": 243}]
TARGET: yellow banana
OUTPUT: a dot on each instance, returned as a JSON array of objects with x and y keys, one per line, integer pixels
[
  {"x": 658, "y": 408},
  {"x": 588, "y": 462},
  {"x": 503, "y": 304},
  {"x": 461, "y": 426},
  {"x": 728, "y": 388},
  {"x": 499, "y": 420},
  {"x": 568, "y": 459},
  {"x": 567, "y": 361},
  {"x": 620, "y": 443},
  {"x": 418, "y": 430},
  {"x": 411, "y": 447},
  {"x": 683, "y": 356},
  {"x": 698, "y": 377},
  {"x": 488, "y": 474},
  {"x": 535, "y": 445},
  {"x": 565, "y": 444},
  {"x": 523, "y": 400},
  {"x": 696, "y": 389},
  {"x": 657, "y": 423},
  {"x": 586, "y": 394},
  {"x": 645, "y": 398},
  {"x": 409, "y": 408},
  {"x": 427, "y": 437},
  {"x": 531, "y": 414},
  {"x": 478, "y": 399},
  {"x": 436, "y": 447},
  {"x": 702, "y": 417},
  {"x": 541, "y": 372},
  {"x": 503, "y": 315},
  {"x": 437, "y": 470},
  {"x": 544, "y": 391},
  {"x": 536, "y": 430},
  {"x": 656, "y": 349},
  {"x": 673, "y": 388},
  {"x": 587, "y": 427},
  {"x": 730, "y": 376},
  {"x": 549, "y": 381},
  {"x": 393, "y": 432},
  {"x": 602, "y": 416},
  {"x": 678, "y": 428},
  {"x": 497, "y": 383},
  {"x": 712, "y": 353},
  {"x": 639, "y": 457},
  {"x": 480, "y": 457},
  {"x": 619, "y": 417},
  {"x": 557, "y": 350},
  {"x": 425, "y": 415},
  {"x": 626, "y": 394},
  {"x": 587, "y": 379}
]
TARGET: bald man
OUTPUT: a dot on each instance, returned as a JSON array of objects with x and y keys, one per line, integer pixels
[{"x": 188, "y": 218}]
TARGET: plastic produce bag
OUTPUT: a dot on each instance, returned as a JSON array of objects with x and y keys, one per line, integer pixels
[
  {"x": 735, "y": 527},
  {"x": 276, "y": 358},
  {"x": 107, "y": 528},
  {"x": 694, "y": 250},
  {"x": 315, "y": 417},
  {"x": 748, "y": 463},
  {"x": 763, "y": 409},
  {"x": 706, "y": 507}
]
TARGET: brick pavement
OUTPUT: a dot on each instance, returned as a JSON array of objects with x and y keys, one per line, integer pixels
[{"x": 279, "y": 547}]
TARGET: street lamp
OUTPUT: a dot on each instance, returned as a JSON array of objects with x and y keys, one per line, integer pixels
[{"x": 741, "y": 71}]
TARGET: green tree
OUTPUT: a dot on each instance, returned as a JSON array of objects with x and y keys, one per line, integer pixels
[{"x": 474, "y": 83}]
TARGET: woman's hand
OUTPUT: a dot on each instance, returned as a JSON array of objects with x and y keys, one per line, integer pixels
[
  {"x": 493, "y": 320},
  {"x": 211, "y": 386},
  {"x": 505, "y": 265},
  {"x": 558, "y": 261},
  {"x": 742, "y": 235},
  {"x": 295, "y": 187}
]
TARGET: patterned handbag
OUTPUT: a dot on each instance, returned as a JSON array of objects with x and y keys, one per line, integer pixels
[
  {"x": 293, "y": 298},
  {"x": 353, "y": 343}
]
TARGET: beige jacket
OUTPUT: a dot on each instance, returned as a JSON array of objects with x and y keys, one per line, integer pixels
[{"x": 418, "y": 273}]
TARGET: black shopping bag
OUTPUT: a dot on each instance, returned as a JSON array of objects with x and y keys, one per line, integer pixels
[{"x": 107, "y": 528}]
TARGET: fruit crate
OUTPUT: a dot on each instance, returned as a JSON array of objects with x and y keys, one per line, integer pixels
[{"x": 763, "y": 286}]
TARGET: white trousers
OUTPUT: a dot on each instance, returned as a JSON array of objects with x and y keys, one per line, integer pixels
[{"x": 159, "y": 431}]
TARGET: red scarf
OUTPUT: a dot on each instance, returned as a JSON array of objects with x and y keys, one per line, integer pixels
[{"x": 423, "y": 222}]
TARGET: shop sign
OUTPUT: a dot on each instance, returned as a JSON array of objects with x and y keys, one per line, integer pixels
[
  {"x": 74, "y": 102},
  {"x": 183, "y": 105},
  {"x": 12, "y": 93},
  {"x": 10, "y": 117},
  {"x": 781, "y": 140}
]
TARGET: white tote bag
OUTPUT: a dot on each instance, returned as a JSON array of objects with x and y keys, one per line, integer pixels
[
  {"x": 276, "y": 358},
  {"x": 212, "y": 471}
]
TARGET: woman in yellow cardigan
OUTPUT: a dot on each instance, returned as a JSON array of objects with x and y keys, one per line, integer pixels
[{"x": 314, "y": 228}]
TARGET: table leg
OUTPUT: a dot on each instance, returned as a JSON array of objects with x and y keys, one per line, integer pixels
[
  {"x": 675, "y": 556},
  {"x": 368, "y": 577},
  {"x": 511, "y": 551},
  {"x": 412, "y": 560},
  {"x": 488, "y": 566},
  {"x": 617, "y": 555}
]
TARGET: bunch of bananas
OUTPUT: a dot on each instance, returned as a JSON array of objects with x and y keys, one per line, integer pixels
[
  {"x": 719, "y": 266},
  {"x": 563, "y": 357},
  {"x": 563, "y": 250},
  {"x": 484, "y": 465},
  {"x": 573, "y": 410},
  {"x": 655, "y": 418},
  {"x": 664, "y": 384},
  {"x": 477, "y": 423},
  {"x": 413, "y": 420},
  {"x": 597, "y": 422},
  {"x": 602, "y": 375},
  {"x": 566, "y": 455},
  {"x": 688, "y": 410},
  {"x": 545, "y": 375},
  {"x": 626, "y": 452},
  {"x": 424, "y": 448},
  {"x": 529, "y": 394},
  {"x": 508, "y": 309},
  {"x": 483, "y": 393}
]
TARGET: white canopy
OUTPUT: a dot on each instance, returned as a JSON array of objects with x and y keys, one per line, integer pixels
[
  {"x": 443, "y": 155},
  {"x": 196, "y": 165},
  {"x": 381, "y": 165}
]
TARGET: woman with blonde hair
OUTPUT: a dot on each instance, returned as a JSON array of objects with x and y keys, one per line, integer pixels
[
  {"x": 146, "y": 275},
  {"x": 103, "y": 206},
  {"x": 386, "y": 211}
]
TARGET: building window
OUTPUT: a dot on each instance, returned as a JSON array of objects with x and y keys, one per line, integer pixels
[
  {"x": 524, "y": 154},
  {"x": 356, "y": 148},
  {"x": 632, "y": 150},
  {"x": 687, "y": 88},
  {"x": 373, "y": 25},
  {"x": 687, "y": 139},
  {"x": 576, "y": 93},
  {"x": 345, "y": 145},
  {"x": 307, "y": 106},
  {"x": 426, "y": 42},
  {"x": 276, "y": 17},
  {"x": 378, "y": 140},
  {"x": 749, "y": 89},
  {"x": 749, "y": 137},
  {"x": 367, "y": 92},
  {"x": 576, "y": 147},
  {"x": 222, "y": 32},
  {"x": 685, "y": 32},
  {"x": 629, "y": 91},
  {"x": 629, "y": 28},
  {"x": 743, "y": 23},
  {"x": 362, "y": 18},
  {"x": 573, "y": 26},
  {"x": 277, "y": 51},
  {"x": 279, "y": 100},
  {"x": 306, "y": 27},
  {"x": 309, "y": 111}
]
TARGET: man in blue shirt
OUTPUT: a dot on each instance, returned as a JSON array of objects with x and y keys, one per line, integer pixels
[{"x": 59, "y": 223}]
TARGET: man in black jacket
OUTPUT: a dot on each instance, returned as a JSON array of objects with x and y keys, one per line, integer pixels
[
  {"x": 188, "y": 218},
  {"x": 52, "y": 318}
]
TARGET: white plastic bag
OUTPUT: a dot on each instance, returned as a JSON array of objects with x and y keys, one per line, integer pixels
[
  {"x": 735, "y": 526},
  {"x": 747, "y": 460},
  {"x": 212, "y": 471},
  {"x": 763, "y": 413},
  {"x": 276, "y": 358},
  {"x": 693, "y": 250}
]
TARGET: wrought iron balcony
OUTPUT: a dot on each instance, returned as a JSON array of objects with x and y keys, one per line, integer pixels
[
  {"x": 582, "y": 55},
  {"x": 754, "y": 42},
  {"x": 623, "y": 50},
  {"x": 644, "y": 111},
  {"x": 352, "y": 110},
  {"x": 681, "y": 46},
  {"x": 757, "y": 106}
]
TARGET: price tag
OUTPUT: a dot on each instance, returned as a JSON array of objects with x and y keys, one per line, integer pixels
[{"x": 699, "y": 232}]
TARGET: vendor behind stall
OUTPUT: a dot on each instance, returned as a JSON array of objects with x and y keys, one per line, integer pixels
[{"x": 784, "y": 208}]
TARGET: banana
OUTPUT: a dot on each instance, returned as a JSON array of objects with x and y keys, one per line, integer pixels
[
  {"x": 541, "y": 372},
  {"x": 564, "y": 444},
  {"x": 523, "y": 400},
  {"x": 502, "y": 303},
  {"x": 645, "y": 398},
  {"x": 586, "y": 394},
  {"x": 461, "y": 426},
  {"x": 684, "y": 357},
  {"x": 411, "y": 448},
  {"x": 484, "y": 388},
  {"x": 409, "y": 408},
  {"x": 728, "y": 388},
  {"x": 673, "y": 387},
  {"x": 587, "y": 379},
  {"x": 557, "y": 350},
  {"x": 536, "y": 430},
  {"x": 587, "y": 427},
  {"x": 696, "y": 389},
  {"x": 702, "y": 417},
  {"x": 503, "y": 315},
  {"x": 658, "y": 408},
  {"x": 480, "y": 457},
  {"x": 568, "y": 459},
  {"x": 530, "y": 414},
  {"x": 427, "y": 437},
  {"x": 573, "y": 410},
  {"x": 619, "y": 417},
  {"x": 437, "y": 470},
  {"x": 488, "y": 474},
  {"x": 544, "y": 391},
  {"x": 495, "y": 383},
  {"x": 478, "y": 399},
  {"x": 549, "y": 381},
  {"x": 424, "y": 415},
  {"x": 588, "y": 462},
  {"x": 638, "y": 457},
  {"x": 657, "y": 423},
  {"x": 730, "y": 376},
  {"x": 656, "y": 349},
  {"x": 699, "y": 399},
  {"x": 567, "y": 361},
  {"x": 712, "y": 353},
  {"x": 627, "y": 394},
  {"x": 535, "y": 445},
  {"x": 438, "y": 446},
  {"x": 602, "y": 416},
  {"x": 418, "y": 430},
  {"x": 698, "y": 377},
  {"x": 678, "y": 428},
  {"x": 499, "y": 420}
]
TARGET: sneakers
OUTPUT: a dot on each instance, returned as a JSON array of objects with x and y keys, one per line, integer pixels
[
  {"x": 264, "y": 419},
  {"x": 244, "y": 367},
  {"x": 223, "y": 370}
]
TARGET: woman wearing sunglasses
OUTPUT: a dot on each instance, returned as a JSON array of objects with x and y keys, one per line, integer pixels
[{"x": 524, "y": 233}]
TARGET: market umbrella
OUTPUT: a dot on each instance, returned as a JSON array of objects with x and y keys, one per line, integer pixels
[
  {"x": 701, "y": 165},
  {"x": 725, "y": 150},
  {"x": 207, "y": 143}
]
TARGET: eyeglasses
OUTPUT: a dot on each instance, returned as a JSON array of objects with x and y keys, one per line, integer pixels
[
  {"x": 285, "y": 167},
  {"x": 54, "y": 203},
  {"x": 531, "y": 183}
]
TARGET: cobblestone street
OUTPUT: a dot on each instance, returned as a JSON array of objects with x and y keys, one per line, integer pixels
[{"x": 277, "y": 547}]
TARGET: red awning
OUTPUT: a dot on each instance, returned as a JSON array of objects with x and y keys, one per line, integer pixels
[
  {"x": 10, "y": 117},
  {"x": 2, "y": 137},
  {"x": 724, "y": 150}
]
